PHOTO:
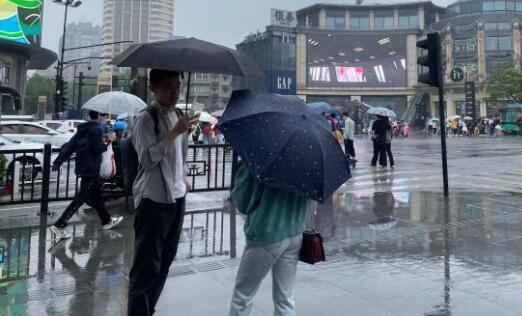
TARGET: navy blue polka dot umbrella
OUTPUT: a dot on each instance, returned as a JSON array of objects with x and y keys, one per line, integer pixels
[{"x": 284, "y": 143}]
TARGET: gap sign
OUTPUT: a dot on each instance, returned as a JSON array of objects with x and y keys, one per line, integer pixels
[{"x": 283, "y": 82}]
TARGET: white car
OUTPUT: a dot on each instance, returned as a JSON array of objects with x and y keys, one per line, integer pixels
[
  {"x": 63, "y": 126},
  {"x": 32, "y": 162},
  {"x": 33, "y": 132}
]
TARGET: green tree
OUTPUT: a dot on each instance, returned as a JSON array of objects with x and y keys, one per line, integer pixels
[
  {"x": 359, "y": 2},
  {"x": 39, "y": 86},
  {"x": 505, "y": 83}
]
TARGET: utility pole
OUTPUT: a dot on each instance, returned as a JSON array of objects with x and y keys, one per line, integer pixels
[
  {"x": 59, "y": 94},
  {"x": 80, "y": 87}
]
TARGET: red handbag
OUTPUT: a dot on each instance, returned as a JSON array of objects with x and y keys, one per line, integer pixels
[{"x": 312, "y": 250}]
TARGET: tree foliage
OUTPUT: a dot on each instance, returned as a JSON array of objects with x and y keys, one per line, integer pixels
[
  {"x": 39, "y": 86},
  {"x": 505, "y": 83}
]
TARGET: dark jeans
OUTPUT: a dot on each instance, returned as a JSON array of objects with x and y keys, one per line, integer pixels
[
  {"x": 390, "y": 155},
  {"x": 379, "y": 151},
  {"x": 157, "y": 231},
  {"x": 89, "y": 190},
  {"x": 348, "y": 147}
]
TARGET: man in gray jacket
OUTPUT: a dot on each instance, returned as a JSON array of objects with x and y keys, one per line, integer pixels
[{"x": 160, "y": 138}]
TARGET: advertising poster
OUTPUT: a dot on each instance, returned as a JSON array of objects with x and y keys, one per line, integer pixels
[
  {"x": 21, "y": 21},
  {"x": 353, "y": 60}
]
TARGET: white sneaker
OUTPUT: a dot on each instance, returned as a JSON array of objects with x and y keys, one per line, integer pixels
[
  {"x": 59, "y": 233},
  {"x": 113, "y": 223}
]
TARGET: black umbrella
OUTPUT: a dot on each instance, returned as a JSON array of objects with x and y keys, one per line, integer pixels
[
  {"x": 284, "y": 143},
  {"x": 188, "y": 55}
]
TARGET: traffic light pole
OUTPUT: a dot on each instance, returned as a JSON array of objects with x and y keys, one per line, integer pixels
[
  {"x": 434, "y": 77},
  {"x": 442, "y": 118}
]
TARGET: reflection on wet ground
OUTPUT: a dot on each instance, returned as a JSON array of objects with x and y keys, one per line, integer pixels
[{"x": 394, "y": 246}]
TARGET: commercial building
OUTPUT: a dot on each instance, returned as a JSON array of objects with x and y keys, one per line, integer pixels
[
  {"x": 479, "y": 36},
  {"x": 364, "y": 53},
  {"x": 275, "y": 52},
  {"x": 20, "y": 39},
  {"x": 139, "y": 21}
]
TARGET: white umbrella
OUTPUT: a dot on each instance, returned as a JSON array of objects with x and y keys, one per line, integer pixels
[
  {"x": 205, "y": 117},
  {"x": 382, "y": 112},
  {"x": 116, "y": 102},
  {"x": 218, "y": 113}
]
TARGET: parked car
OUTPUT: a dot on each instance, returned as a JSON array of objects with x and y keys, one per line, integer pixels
[
  {"x": 63, "y": 126},
  {"x": 30, "y": 163},
  {"x": 33, "y": 132}
]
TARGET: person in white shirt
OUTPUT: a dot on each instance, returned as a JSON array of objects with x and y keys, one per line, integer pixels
[{"x": 349, "y": 130}]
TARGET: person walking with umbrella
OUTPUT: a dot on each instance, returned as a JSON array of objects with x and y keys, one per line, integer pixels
[
  {"x": 289, "y": 157},
  {"x": 160, "y": 137},
  {"x": 387, "y": 146},
  {"x": 380, "y": 129}
]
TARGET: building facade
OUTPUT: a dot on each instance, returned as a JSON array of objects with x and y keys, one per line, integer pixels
[
  {"x": 139, "y": 21},
  {"x": 211, "y": 90},
  {"x": 362, "y": 53},
  {"x": 20, "y": 51},
  {"x": 478, "y": 36},
  {"x": 79, "y": 35},
  {"x": 275, "y": 52}
]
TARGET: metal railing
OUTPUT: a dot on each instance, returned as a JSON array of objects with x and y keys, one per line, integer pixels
[{"x": 26, "y": 176}]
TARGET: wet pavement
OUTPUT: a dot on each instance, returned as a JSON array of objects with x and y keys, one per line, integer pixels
[{"x": 394, "y": 247}]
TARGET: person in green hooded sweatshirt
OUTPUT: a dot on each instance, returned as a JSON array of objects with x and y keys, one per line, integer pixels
[{"x": 275, "y": 221}]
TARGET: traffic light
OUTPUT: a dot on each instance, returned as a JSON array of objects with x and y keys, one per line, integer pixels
[
  {"x": 114, "y": 82},
  {"x": 64, "y": 99},
  {"x": 430, "y": 60}
]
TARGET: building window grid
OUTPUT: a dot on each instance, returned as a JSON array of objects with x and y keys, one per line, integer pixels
[
  {"x": 408, "y": 21},
  {"x": 497, "y": 26},
  {"x": 499, "y": 43},
  {"x": 474, "y": 7},
  {"x": 384, "y": 22},
  {"x": 359, "y": 22},
  {"x": 465, "y": 45},
  {"x": 335, "y": 22}
]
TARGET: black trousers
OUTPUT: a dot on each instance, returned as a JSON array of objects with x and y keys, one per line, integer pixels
[
  {"x": 348, "y": 147},
  {"x": 157, "y": 231},
  {"x": 390, "y": 154},
  {"x": 89, "y": 190},
  {"x": 379, "y": 152}
]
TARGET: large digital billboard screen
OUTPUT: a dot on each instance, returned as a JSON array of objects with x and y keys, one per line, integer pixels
[
  {"x": 21, "y": 21},
  {"x": 356, "y": 60}
]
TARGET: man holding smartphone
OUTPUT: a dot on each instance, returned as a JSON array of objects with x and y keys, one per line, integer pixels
[{"x": 160, "y": 137}]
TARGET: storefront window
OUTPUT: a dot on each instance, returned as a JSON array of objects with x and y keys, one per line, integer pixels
[{"x": 395, "y": 103}]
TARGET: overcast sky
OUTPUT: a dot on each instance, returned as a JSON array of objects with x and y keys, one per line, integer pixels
[{"x": 224, "y": 22}]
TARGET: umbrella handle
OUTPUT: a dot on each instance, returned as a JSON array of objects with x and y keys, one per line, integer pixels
[{"x": 188, "y": 92}]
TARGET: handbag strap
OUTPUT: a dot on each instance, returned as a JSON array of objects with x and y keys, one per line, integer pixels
[{"x": 311, "y": 214}]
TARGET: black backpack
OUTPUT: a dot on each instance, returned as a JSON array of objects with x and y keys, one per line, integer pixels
[{"x": 130, "y": 161}]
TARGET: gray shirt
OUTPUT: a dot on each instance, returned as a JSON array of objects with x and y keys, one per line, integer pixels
[{"x": 156, "y": 177}]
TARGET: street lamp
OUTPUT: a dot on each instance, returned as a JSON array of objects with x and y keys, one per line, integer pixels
[{"x": 58, "y": 106}]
